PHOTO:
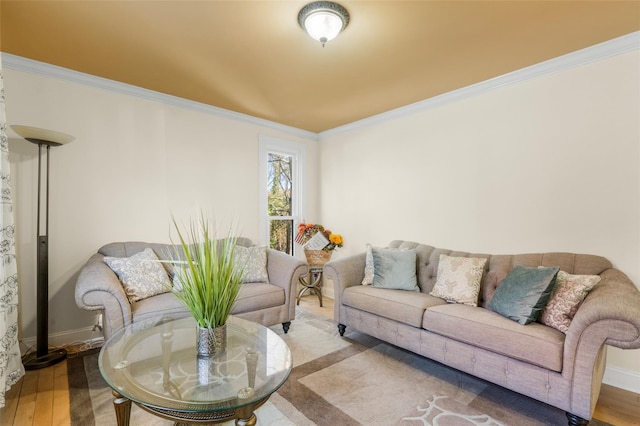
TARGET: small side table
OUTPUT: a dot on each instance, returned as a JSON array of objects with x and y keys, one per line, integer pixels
[{"x": 312, "y": 282}]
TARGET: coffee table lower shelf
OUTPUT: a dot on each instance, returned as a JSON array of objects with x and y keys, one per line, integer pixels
[{"x": 244, "y": 416}]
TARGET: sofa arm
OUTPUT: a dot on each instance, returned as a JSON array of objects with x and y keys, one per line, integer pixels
[
  {"x": 285, "y": 271},
  {"x": 345, "y": 272},
  {"x": 98, "y": 288},
  {"x": 609, "y": 315},
  {"x": 615, "y": 301}
]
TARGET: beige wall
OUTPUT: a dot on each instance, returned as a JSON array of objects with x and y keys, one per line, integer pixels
[
  {"x": 133, "y": 163},
  {"x": 551, "y": 164}
]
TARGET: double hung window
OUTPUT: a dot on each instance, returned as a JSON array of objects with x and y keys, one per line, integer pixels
[{"x": 281, "y": 188}]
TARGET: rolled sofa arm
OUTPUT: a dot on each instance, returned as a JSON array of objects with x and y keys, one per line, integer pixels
[
  {"x": 345, "y": 272},
  {"x": 609, "y": 315},
  {"x": 284, "y": 271},
  {"x": 615, "y": 300},
  {"x": 98, "y": 288}
]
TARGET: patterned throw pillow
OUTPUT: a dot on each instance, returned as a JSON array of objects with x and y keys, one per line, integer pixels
[
  {"x": 568, "y": 293},
  {"x": 179, "y": 275},
  {"x": 254, "y": 262},
  {"x": 142, "y": 275},
  {"x": 459, "y": 279},
  {"x": 368, "y": 267}
]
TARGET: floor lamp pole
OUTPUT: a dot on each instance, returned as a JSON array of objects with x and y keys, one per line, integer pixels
[{"x": 43, "y": 356}]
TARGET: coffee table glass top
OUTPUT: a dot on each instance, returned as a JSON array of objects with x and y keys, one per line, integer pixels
[{"x": 155, "y": 363}]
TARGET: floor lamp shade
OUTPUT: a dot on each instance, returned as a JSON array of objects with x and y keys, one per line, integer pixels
[{"x": 45, "y": 139}]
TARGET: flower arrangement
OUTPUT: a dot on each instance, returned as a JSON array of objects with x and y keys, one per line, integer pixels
[{"x": 306, "y": 231}]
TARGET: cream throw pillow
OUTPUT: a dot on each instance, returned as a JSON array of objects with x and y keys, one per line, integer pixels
[
  {"x": 568, "y": 292},
  {"x": 142, "y": 275},
  {"x": 459, "y": 279}
]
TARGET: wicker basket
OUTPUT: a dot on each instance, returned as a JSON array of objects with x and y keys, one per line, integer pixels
[{"x": 317, "y": 257}]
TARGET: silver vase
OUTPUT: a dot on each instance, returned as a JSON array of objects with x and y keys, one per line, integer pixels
[{"x": 211, "y": 341}]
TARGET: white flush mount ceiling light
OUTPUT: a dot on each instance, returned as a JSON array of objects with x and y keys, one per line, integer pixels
[{"x": 323, "y": 20}]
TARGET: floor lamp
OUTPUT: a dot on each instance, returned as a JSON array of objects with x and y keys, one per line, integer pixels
[{"x": 45, "y": 139}]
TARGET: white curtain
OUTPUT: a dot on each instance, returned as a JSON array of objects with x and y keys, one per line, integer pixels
[{"x": 11, "y": 369}]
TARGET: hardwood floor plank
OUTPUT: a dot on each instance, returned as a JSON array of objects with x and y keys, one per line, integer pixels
[
  {"x": 618, "y": 407},
  {"x": 44, "y": 399},
  {"x": 27, "y": 400},
  {"x": 11, "y": 398},
  {"x": 61, "y": 415},
  {"x": 25, "y": 414}
]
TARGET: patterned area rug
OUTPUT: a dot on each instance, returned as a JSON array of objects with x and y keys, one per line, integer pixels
[{"x": 355, "y": 380}]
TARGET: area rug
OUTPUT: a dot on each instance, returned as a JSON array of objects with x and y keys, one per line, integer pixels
[{"x": 350, "y": 380}]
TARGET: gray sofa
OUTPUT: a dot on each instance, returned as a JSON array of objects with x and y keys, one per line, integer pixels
[
  {"x": 268, "y": 303},
  {"x": 541, "y": 362}
]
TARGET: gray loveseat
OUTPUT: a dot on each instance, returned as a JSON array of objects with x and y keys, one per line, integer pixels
[
  {"x": 536, "y": 360},
  {"x": 268, "y": 303}
]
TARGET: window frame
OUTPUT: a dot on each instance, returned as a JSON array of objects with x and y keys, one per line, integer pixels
[{"x": 298, "y": 152}]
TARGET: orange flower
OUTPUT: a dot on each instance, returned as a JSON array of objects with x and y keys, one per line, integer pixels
[{"x": 336, "y": 239}]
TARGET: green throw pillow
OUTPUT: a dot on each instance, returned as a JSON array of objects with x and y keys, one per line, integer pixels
[
  {"x": 394, "y": 269},
  {"x": 524, "y": 293}
]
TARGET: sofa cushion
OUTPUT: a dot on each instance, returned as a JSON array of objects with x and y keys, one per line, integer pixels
[
  {"x": 256, "y": 296},
  {"x": 166, "y": 304},
  {"x": 523, "y": 293},
  {"x": 398, "y": 305},
  {"x": 569, "y": 291},
  {"x": 459, "y": 279},
  {"x": 142, "y": 275},
  {"x": 536, "y": 343},
  {"x": 394, "y": 269}
]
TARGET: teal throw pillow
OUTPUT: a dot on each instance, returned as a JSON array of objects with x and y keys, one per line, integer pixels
[
  {"x": 524, "y": 293},
  {"x": 394, "y": 269}
]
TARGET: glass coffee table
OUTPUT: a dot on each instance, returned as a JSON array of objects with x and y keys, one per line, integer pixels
[{"x": 154, "y": 364}]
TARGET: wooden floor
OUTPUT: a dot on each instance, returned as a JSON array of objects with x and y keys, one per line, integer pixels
[{"x": 41, "y": 397}]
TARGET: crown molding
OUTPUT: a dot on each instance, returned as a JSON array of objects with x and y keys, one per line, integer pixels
[
  {"x": 19, "y": 63},
  {"x": 625, "y": 44}
]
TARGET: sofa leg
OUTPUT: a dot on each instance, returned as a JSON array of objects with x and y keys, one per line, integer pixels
[
  {"x": 341, "y": 329},
  {"x": 285, "y": 326},
  {"x": 576, "y": 421}
]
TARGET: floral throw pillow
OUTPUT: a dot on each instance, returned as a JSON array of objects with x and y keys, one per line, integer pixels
[
  {"x": 459, "y": 279},
  {"x": 368, "y": 267},
  {"x": 142, "y": 275},
  {"x": 254, "y": 262},
  {"x": 569, "y": 291}
]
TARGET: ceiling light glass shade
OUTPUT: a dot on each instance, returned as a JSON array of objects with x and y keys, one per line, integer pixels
[
  {"x": 323, "y": 20},
  {"x": 42, "y": 136}
]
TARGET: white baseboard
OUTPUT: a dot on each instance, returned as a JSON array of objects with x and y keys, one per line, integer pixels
[
  {"x": 66, "y": 338},
  {"x": 623, "y": 379}
]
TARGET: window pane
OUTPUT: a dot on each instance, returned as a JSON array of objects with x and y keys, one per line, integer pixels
[
  {"x": 279, "y": 185},
  {"x": 281, "y": 235}
]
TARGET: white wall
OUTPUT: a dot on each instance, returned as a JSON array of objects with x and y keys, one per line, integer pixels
[
  {"x": 133, "y": 163},
  {"x": 550, "y": 164}
]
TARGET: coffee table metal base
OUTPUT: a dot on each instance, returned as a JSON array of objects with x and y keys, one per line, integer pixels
[{"x": 244, "y": 416}]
